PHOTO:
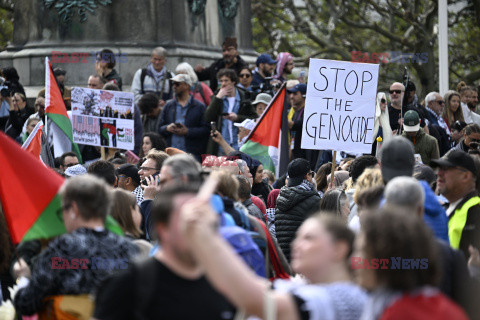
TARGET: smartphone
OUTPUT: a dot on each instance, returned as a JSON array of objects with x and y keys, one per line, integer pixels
[
  {"x": 178, "y": 125},
  {"x": 213, "y": 126},
  {"x": 225, "y": 113},
  {"x": 144, "y": 181}
]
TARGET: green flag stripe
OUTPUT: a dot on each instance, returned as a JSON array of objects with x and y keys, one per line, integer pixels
[
  {"x": 48, "y": 224},
  {"x": 260, "y": 153},
  {"x": 63, "y": 123}
]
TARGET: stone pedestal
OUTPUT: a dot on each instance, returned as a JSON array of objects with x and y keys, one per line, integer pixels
[{"x": 130, "y": 29}]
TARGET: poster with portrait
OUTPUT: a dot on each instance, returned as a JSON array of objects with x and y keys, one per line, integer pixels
[{"x": 103, "y": 118}]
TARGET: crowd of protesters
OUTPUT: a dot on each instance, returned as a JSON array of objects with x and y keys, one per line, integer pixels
[{"x": 209, "y": 233}]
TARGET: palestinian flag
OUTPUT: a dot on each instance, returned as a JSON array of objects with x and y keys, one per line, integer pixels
[
  {"x": 29, "y": 195},
  {"x": 33, "y": 144},
  {"x": 268, "y": 141},
  {"x": 59, "y": 127}
]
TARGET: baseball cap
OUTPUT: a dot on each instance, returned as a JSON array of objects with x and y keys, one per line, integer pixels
[
  {"x": 302, "y": 87},
  {"x": 248, "y": 124},
  {"x": 182, "y": 78},
  {"x": 265, "y": 58},
  {"x": 411, "y": 121},
  {"x": 397, "y": 158},
  {"x": 263, "y": 98},
  {"x": 297, "y": 169},
  {"x": 456, "y": 158},
  {"x": 130, "y": 171},
  {"x": 76, "y": 170}
]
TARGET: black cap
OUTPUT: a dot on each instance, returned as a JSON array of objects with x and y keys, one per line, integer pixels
[
  {"x": 297, "y": 169},
  {"x": 129, "y": 170},
  {"x": 397, "y": 158},
  {"x": 456, "y": 158}
]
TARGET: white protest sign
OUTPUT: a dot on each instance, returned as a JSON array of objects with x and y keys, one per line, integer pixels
[
  {"x": 103, "y": 118},
  {"x": 340, "y": 106}
]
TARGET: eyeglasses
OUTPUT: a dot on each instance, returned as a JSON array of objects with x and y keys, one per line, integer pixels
[
  {"x": 147, "y": 168},
  {"x": 395, "y": 91},
  {"x": 177, "y": 84},
  {"x": 383, "y": 100},
  {"x": 474, "y": 140},
  {"x": 245, "y": 75},
  {"x": 440, "y": 101}
]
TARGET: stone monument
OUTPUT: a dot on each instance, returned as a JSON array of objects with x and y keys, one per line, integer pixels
[{"x": 190, "y": 30}]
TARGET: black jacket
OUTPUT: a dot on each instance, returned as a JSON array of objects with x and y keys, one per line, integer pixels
[
  {"x": 294, "y": 205},
  {"x": 210, "y": 73}
]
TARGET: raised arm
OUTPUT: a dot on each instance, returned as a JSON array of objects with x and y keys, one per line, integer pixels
[{"x": 224, "y": 269}]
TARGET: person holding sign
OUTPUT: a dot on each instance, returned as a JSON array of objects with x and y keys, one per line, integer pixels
[
  {"x": 181, "y": 120},
  {"x": 425, "y": 144}
]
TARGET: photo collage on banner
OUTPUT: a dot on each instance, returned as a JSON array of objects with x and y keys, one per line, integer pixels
[{"x": 103, "y": 118}]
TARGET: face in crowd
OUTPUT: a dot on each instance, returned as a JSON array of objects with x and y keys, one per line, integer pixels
[
  {"x": 245, "y": 77},
  {"x": 397, "y": 90}
]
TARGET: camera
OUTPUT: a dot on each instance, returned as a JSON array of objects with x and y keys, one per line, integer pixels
[
  {"x": 267, "y": 87},
  {"x": 6, "y": 90}
]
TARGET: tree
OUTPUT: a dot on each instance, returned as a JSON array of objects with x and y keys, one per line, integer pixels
[
  {"x": 332, "y": 29},
  {"x": 6, "y": 22}
]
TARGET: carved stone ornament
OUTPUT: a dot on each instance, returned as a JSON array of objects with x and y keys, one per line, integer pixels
[{"x": 67, "y": 8}]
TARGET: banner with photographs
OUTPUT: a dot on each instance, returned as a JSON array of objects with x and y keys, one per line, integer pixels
[{"x": 103, "y": 118}]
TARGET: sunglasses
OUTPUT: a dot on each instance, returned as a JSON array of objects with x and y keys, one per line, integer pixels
[
  {"x": 383, "y": 100},
  {"x": 312, "y": 173},
  {"x": 395, "y": 91},
  {"x": 245, "y": 75},
  {"x": 440, "y": 101}
]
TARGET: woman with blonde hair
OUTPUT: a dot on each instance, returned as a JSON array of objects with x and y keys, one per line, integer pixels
[{"x": 452, "y": 112}]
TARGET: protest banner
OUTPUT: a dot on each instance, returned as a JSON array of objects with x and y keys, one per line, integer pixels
[
  {"x": 103, "y": 118},
  {"x": 340, "y": 106}
]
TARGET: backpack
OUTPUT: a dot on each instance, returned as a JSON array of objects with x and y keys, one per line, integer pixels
[
  {"x": 142, "y": 81},
  {"x": 245, "y": 247}
]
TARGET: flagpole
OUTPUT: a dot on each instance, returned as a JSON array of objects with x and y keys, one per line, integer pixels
[{"x": 334, "y": 163}]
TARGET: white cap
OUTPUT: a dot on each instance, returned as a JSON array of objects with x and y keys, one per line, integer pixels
[
  {"x": 248, "y": 124},
  {"x": 263, "y": 98}
]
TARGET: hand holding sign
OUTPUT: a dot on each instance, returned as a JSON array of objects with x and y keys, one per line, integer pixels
[{"x": 340, "y": 106}]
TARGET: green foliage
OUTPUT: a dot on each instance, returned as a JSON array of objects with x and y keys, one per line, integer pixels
[
  {"x": 332, "y": 29},
  {"x": 6, "y": 23}
]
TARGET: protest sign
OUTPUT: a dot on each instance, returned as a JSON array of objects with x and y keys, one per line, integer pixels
[
  {"x": 103, "y": 118},
  {"x": 340, "y": 106}
]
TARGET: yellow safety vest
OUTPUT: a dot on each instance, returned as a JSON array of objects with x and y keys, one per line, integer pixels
[{"x": 458, "y": 221}]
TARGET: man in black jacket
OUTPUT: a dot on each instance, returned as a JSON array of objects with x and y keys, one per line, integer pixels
[
  {"x": 295, "y": 203},
  {"x": 230, "y": 60}
]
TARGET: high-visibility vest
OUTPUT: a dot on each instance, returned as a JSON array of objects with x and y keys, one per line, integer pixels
[{"x": 458, "y": 221}]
